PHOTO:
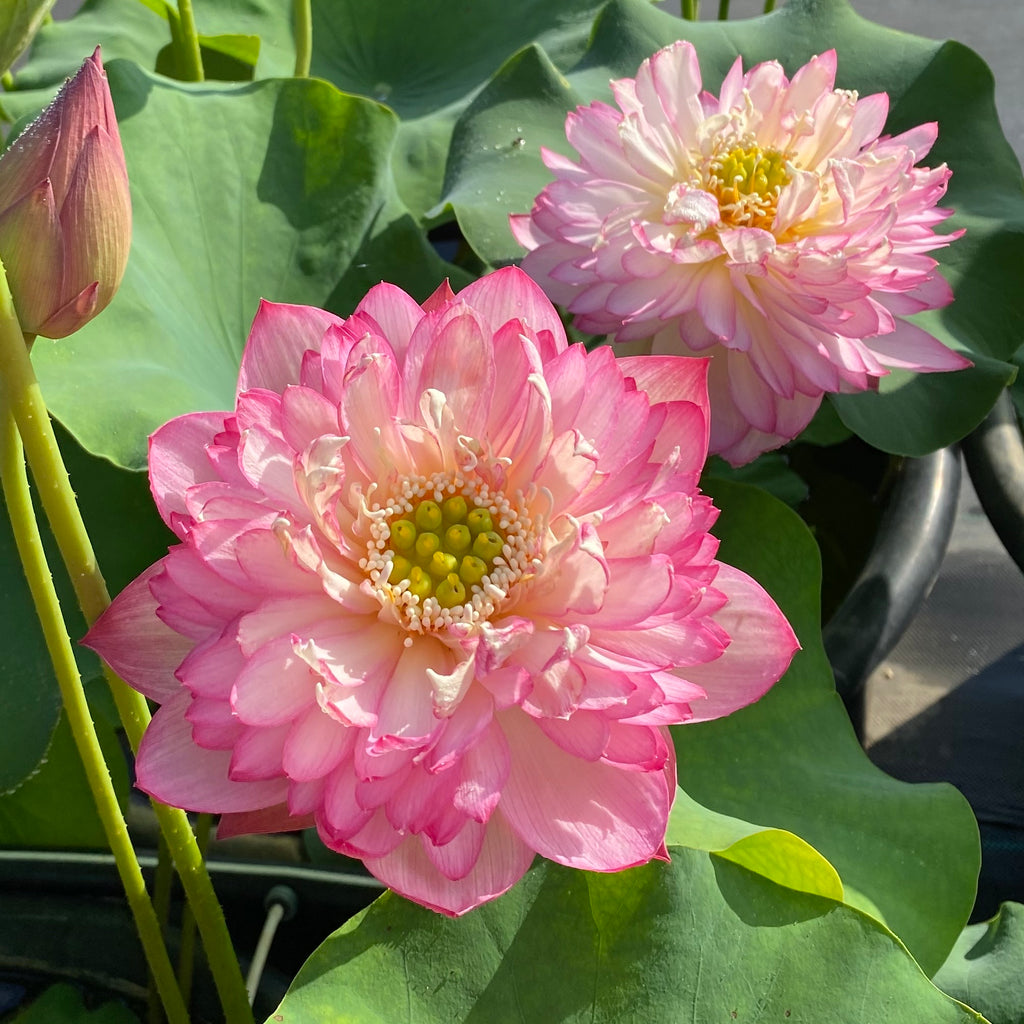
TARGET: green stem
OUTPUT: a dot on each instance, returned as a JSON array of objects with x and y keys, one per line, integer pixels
[
  {"x": 689, "y": 9},
  {"x": 769, "y": 6},
  {"x": 44, "y": 597},
  {"x": 65, "y": 520},
  {"x": 187, "y": 949},
  {"x": 303, "y": 37},
  {"x": 723, "y": 10},
  {"x": 163, "y": 882},
  {"x": 191, "y": 59}
]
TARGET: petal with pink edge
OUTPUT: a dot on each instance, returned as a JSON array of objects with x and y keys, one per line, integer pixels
[
  {"x": 597, "y": 817},
  {"x": 174, "y": 770},
  {"x": 455, "y": 859},
  {"x": 395, "y": 312},
  {"x": 509, "y": 293},
  {"x": 136, "y": 644},
  {"x": 274, "y": 687},
  {"x": 669, "y": 378},
  {"x": 913, "y": 348},
  {"x": 178, "y": 460},
  {"x": 503, "y": 859},
  {"x": 761, "y": 646},
  {"x": 279, "y": 337},
  {"x": 316, "y": 744}
]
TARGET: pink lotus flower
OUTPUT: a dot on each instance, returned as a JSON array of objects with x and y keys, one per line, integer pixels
[
  {"x": 65, "y": 211},
  {"x": 770, "y": 228},
  {"x": 442, "y": 582}
]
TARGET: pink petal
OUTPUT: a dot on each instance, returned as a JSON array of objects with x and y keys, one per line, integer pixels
[
  {"x": 637, "y": 589},
  {"x": 257, "y": 754},
  {"x": 268, "y": 463},
  {"x": 461, "y": 730},
  {"x": 405, "y": 715},
  {"x": 910, "y": 347},
  {"x": 456, "y": 858},
  {"x": 263, "y": 821},
  {"x": 376, "y": 838},
  {"x": 279, "y": 337},
  {"x": 214, "y": 725},
  {"x": 282, "y": 616},
  {"x": 598, "y": 817},
  {"x": 395, "y": 312},
  {"x": 174, "y": 770},
  {"x": 211, "y": 667},
  {"x": 484, "y": 769},
  {"x": 178, "y": 460},
  {"x": 761, "y": 646},
  {"x": 372, "y": 396},
  {"x": 502, "y": 860},
  {"x": 459, "y": 364},
  {"x": 669, "y": 378},
  {"x": 306, "y": 415},
  {"x": 576, "y": 574},
  {"x": 340, "y": 815},
  {"x": 274, "y": 687},
  {"x": 136, "y": 644},
  {"x": 583, "y": 734},
  {"x": 509, "y": 293},
  {"x": 316, "y": 744}
]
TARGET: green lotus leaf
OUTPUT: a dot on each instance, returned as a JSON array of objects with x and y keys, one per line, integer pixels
[
  {"x": 701, "y": 939},
  {"x": 427, "y": 66},
  {"x": 984, "y": 968},
  {"x": 54, "y": 806},
  {"x": 62, "y": 1004},
  {"x": 907, "y": 854},
  {"x": 778, "y": 855},
  {"x": 28, "y": 690},
  {"x": 139, "y": 31}
]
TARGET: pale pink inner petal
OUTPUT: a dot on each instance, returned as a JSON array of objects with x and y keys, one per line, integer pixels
[{"x": 274, "y": 687}]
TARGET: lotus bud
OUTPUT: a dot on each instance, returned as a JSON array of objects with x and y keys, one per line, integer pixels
[{"x": 65, "y": 211}]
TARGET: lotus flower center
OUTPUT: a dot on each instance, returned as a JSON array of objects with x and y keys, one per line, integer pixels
[
  {"x": 747, "y": 181},
  {"x": 444, "y": 550}
]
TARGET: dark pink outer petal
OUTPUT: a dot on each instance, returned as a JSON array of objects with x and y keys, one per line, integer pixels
[
  {"x": 762, "y": 644},
  {"x": 280, "y": 334},
  {"x": 173, "y": 768},
  {"x": 261, "y": 822},
  {"x": 132, "y": 639}
]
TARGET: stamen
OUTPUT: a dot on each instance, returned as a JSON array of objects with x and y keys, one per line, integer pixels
[
  {"x": 446, "y": 559},
  {"x": 747, "y": 181}
]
